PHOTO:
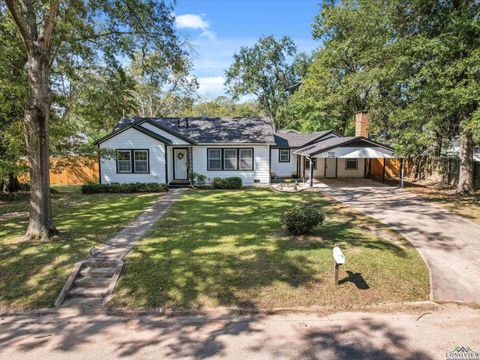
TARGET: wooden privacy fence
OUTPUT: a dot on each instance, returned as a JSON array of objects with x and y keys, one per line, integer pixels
[
  {"x": 71, "y": 170},
  {"x": 437, "y": 169}
]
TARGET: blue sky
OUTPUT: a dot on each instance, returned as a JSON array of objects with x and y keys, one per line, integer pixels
[{"x": 218, "y": 28}]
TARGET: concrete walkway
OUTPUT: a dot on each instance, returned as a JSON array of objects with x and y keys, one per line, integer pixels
[
  {"x": 449, "y": 243},
  {"x": 416, "y": 334},
  {"x": 93, "y": 280},
  {"x": 117, "y": 247}
]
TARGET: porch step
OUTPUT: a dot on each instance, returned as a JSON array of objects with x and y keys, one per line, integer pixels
[
  {"x": 88, "y": 292},
  {"x": 177, "y": 184}
]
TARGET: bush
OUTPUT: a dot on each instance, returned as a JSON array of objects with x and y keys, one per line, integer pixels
[
  {"x": 302, "y": 220},
  {"x": 123, "y": 188},
  {"x": 198, "y": 180},
  {"x": 227, "y": 183}
]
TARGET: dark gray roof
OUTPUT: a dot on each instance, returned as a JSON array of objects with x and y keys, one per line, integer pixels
[
  {"x": 331, "y": 143},
  {"x": 212, "y": 130},
  {"x": 295, "y": 139},
  {"x": 138, "y": 128}
]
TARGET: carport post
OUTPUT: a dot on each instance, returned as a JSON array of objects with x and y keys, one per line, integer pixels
[
  {"x": 310, "y": 162},
  {"x": 402, "y": 170}
]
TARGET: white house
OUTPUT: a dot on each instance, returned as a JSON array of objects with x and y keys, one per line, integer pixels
[{"x": 167, "y": 150}]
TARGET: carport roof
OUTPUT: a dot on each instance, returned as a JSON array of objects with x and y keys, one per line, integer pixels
[{"x": 350, "y": 142}]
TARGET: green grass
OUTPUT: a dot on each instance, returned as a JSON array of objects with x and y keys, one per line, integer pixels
[
  {"x": 227, "y": 248},
  {"x": 33, "y": 273}
]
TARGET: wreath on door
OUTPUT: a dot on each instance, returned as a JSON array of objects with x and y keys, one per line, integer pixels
[{"x": 180, "y": 156}]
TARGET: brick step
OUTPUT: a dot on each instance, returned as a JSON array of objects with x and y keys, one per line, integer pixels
[
  {"x": 84, "y": 292},
  {"x": 97, "y": 272},
  {"x": 92, "y": 282},
  {"x": 81, "y": 302}
]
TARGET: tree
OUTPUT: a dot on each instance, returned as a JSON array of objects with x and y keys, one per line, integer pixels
[
  {"x": 222, "y": 106},
  {"x": 270, "y": 70},
  {"x": 61, "y": 38},
  {"x": 412, "y": 64}
]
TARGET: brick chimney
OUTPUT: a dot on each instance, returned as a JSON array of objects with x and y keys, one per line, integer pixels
[{"x": 361, "y": 124}]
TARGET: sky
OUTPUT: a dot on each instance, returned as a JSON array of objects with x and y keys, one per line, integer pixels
[{"x": 218, "y": 28}]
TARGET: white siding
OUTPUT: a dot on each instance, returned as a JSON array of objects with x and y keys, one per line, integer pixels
[
  {"x": 133, "y": 139},
  {"x": 260, "y": 170},
  {"x": 175, "y": 140},
  {"x": 284, "y": 169}
]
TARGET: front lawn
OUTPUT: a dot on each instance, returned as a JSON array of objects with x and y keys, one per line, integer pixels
[
  {"x": 33, "y": 273},
  {"x": 227, "y": 248}
]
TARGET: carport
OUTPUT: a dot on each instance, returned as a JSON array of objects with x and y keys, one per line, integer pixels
[{"x": 342, "y": 157}]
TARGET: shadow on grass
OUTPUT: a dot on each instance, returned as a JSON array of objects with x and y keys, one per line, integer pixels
[
  {"x": 33, "y": 273},
  {"x": 226, "y": 248}
]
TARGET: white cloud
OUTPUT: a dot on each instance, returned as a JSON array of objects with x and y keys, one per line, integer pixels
[
  {"x": 191, "y": 21},
  {"x": 195, "y": 22},
  {"x": 211, "y": 86}
]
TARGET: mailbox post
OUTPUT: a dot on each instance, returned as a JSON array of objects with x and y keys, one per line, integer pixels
[{"x": 338, "y": 259}]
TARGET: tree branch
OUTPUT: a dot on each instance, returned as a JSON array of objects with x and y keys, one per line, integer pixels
[
  {"x": 22, "y": 27},
  {"x": 50, "y": 25}
]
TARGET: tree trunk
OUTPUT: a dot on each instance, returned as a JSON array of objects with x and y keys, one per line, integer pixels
[
  {"x": 465, "y": 180},
  {"x": 40, "y": 226}
]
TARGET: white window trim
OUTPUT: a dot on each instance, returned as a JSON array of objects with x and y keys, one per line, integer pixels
[{"x": 251, "y": 158}]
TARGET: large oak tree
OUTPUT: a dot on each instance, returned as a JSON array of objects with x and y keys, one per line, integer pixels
[{"x": 63, "y": 38}]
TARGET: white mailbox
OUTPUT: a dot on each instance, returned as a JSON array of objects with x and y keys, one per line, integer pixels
[{"x": 338, "y": 256}]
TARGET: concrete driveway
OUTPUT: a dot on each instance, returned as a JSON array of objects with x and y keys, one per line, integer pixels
[{"x": 449, "y": 243}]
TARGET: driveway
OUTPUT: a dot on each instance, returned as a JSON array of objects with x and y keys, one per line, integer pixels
[{"x": 449, "y": 243}]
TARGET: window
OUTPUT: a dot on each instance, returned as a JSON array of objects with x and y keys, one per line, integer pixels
[
  {"x": 351, "y": 164},
  {"x": 140, "y": 164},
  {"x": 307, "y": 163},
  {"x": 214, "y": 161},
  {"x": 133, "y": 161},
  {"x": 230, "y": 159},
  {"x": 246, "y": 159},
  {"x": 124, "y": 161},
  {"x": 284, "y": 155}
]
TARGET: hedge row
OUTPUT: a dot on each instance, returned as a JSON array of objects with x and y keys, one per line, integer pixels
[
  {"x": 227, "y": 183},
  {"x": 123, "y": 188}
]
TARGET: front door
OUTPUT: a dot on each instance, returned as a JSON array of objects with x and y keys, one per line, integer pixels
[
  {"x": 330, "y": 167},
  {"x": 180, "y": 164}
]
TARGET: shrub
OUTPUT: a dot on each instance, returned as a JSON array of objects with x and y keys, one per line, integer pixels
[
  {"x": 123, "y": 188},
  {"x": 227, "y": 183},
  {"x": 197, "y": 179},
  {"x": 302, "y": 220}
]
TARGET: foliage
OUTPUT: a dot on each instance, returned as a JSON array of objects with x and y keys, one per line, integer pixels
[
  {"x": 197, "y": 179},
  {"x": 301, "y": 220},
  {"x": 413, "y": 65},
  {"x": 221, "y": 106},
  {"x": 270, "y": 70},
  {"x": 123, "y": 188},
  {"x": 227, "y": 183}
]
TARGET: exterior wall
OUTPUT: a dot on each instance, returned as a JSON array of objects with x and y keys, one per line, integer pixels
[
  {"x": 133, "y": 139},
  {"x": 284, "y": 169},
  {"x": 318, "y": 173},
  {"x": 343, "y": 173},
  {"x": 172, "y": 138},
  {"x": 261, "y": 167}
]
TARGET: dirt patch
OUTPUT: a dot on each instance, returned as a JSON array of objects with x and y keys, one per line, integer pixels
[{"x": 13, "y": 215}]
